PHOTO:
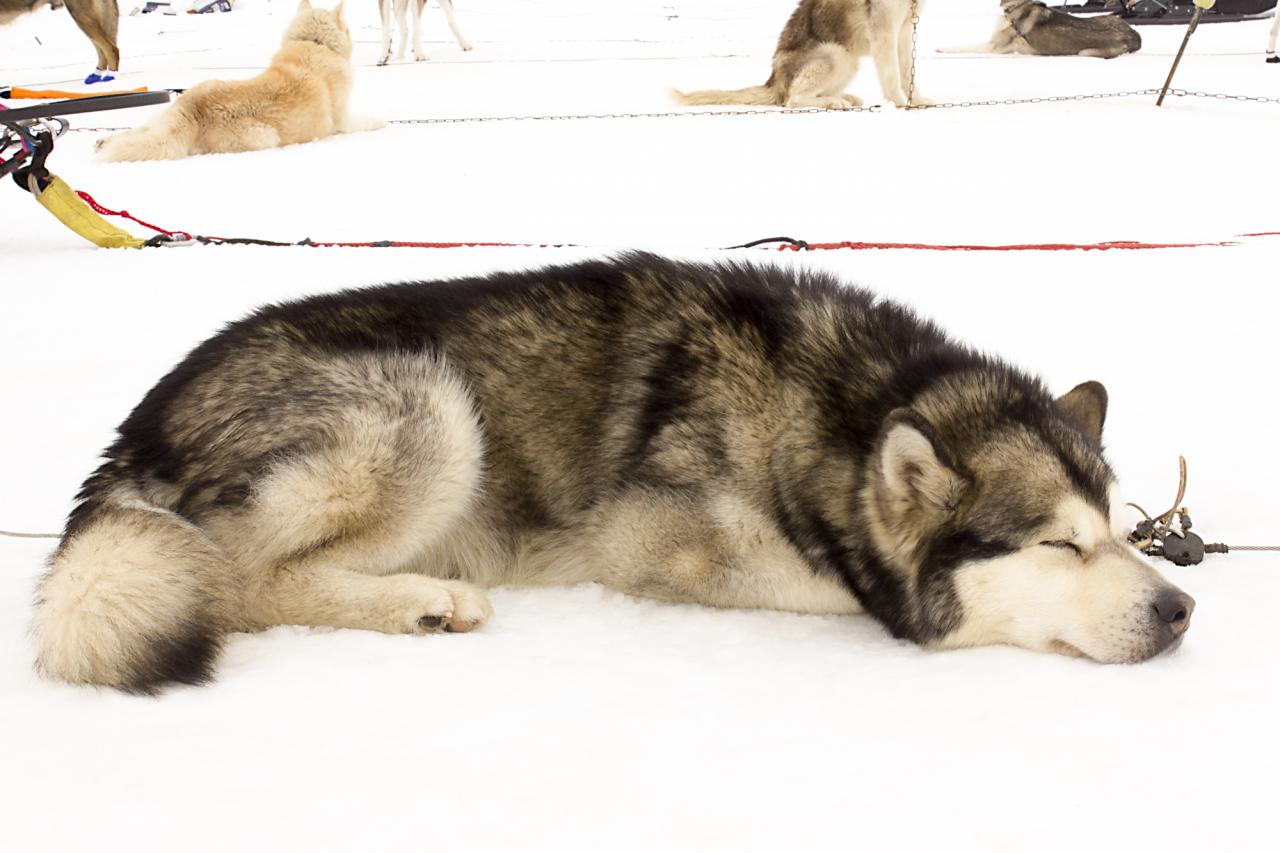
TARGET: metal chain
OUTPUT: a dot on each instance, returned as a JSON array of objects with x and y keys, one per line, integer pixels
[
  {"x": 873, "y": 108},
  {"x": 1217, "y": 96},
  {"x": 915, "y": 25},
  {"x": 1042, "y": 99}
]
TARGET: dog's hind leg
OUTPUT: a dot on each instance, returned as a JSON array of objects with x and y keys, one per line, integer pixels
[
  {"x": 419, "y": 55},
  {"x": 331, "y": 531},
  {"x": 821, "y": 79},
  {"x": 447, "y": 6},
  {"x": 315, "y": 592},
  {"x": 384, "y": 11}
]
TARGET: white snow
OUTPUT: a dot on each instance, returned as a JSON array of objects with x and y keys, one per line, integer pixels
[{"x": 581, "y": 719}]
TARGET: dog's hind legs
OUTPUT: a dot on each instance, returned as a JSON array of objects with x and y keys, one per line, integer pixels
[
  {"x": 330, "y": 529},
  {"x": 447, "y": 6},
  {"x": 101, "y": 24}
]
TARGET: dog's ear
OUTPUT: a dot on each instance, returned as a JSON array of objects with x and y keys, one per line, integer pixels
[
  {"x": 915, "y": 469},
  {"x": 337, "y": 10},
  {"x": 304, "y": 5},
  {"x": 1086, "y": 406}
]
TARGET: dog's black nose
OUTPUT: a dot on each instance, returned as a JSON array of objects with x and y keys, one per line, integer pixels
[{"x": 1174, "y": 607}]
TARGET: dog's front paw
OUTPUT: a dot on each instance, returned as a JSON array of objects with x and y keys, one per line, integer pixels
[
  {"x": 420, "y": 57},
  {"x": 852, "y": 100},
  {"x": 466, "y": 45}
]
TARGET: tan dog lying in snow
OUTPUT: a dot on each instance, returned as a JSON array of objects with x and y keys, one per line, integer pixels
[{"x": 301, "y": 97}]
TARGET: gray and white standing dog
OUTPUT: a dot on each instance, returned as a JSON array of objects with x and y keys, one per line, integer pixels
[
  {"x": 729, "y": 435},
  {"x": 818, "y": 55},
  {"x": 97, "y": 19},
  {"x": 1029, "y": 26},
  {"x": 401, "y": 8}
]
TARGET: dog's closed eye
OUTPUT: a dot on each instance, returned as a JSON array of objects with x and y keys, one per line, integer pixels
[{"x": 1063, "y": 543}]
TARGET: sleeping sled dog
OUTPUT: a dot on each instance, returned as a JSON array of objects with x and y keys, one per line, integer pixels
[
  {"x": 818, "y": 55},
  {"x": 729, "y": 435},
  {"x": 1029, "y": 26}
]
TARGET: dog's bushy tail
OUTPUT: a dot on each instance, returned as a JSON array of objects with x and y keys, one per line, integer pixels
[
  {"x": 759, "y": 96},
  {"x": 135, "y": 597},
  {"x": 169, "y": 137}
]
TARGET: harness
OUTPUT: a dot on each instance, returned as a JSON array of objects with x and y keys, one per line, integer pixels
[{"x": 27, "y": 137}]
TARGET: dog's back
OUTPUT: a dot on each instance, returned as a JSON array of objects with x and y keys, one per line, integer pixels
[{"x": 1051, "y": 32}]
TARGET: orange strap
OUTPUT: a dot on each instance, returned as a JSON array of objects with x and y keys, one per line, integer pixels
[{"x": 18, "y": 93}]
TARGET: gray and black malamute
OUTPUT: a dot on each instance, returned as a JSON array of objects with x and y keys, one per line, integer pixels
[
  {"x": 729, "y": 435},
  {"x": 1029, "y": 26}
]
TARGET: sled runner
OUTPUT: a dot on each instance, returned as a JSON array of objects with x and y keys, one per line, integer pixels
[{"x": 1172, "y": 11}]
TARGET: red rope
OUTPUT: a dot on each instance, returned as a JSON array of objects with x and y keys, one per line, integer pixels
[
  {"x": 1015, "y": 247},
  {"x": 783, "y": 246},
  {"x": 402, "y": 244},
  {"x": 102, "y": 211}
]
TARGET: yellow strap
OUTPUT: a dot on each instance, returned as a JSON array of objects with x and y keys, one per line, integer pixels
[{"x": 62, "y": 201}]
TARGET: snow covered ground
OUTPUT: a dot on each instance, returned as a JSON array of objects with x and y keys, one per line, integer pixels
[{"x": 581, "y": 719}]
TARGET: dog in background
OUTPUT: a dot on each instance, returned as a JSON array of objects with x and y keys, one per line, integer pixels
[
  {"x": 301, "y": 97},
  {"x": 1029, "y": 26},
  {"x": 401, "y": 8},
  {"x": 97, "y": 19},
  {"x": 818, "y": 55}
]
